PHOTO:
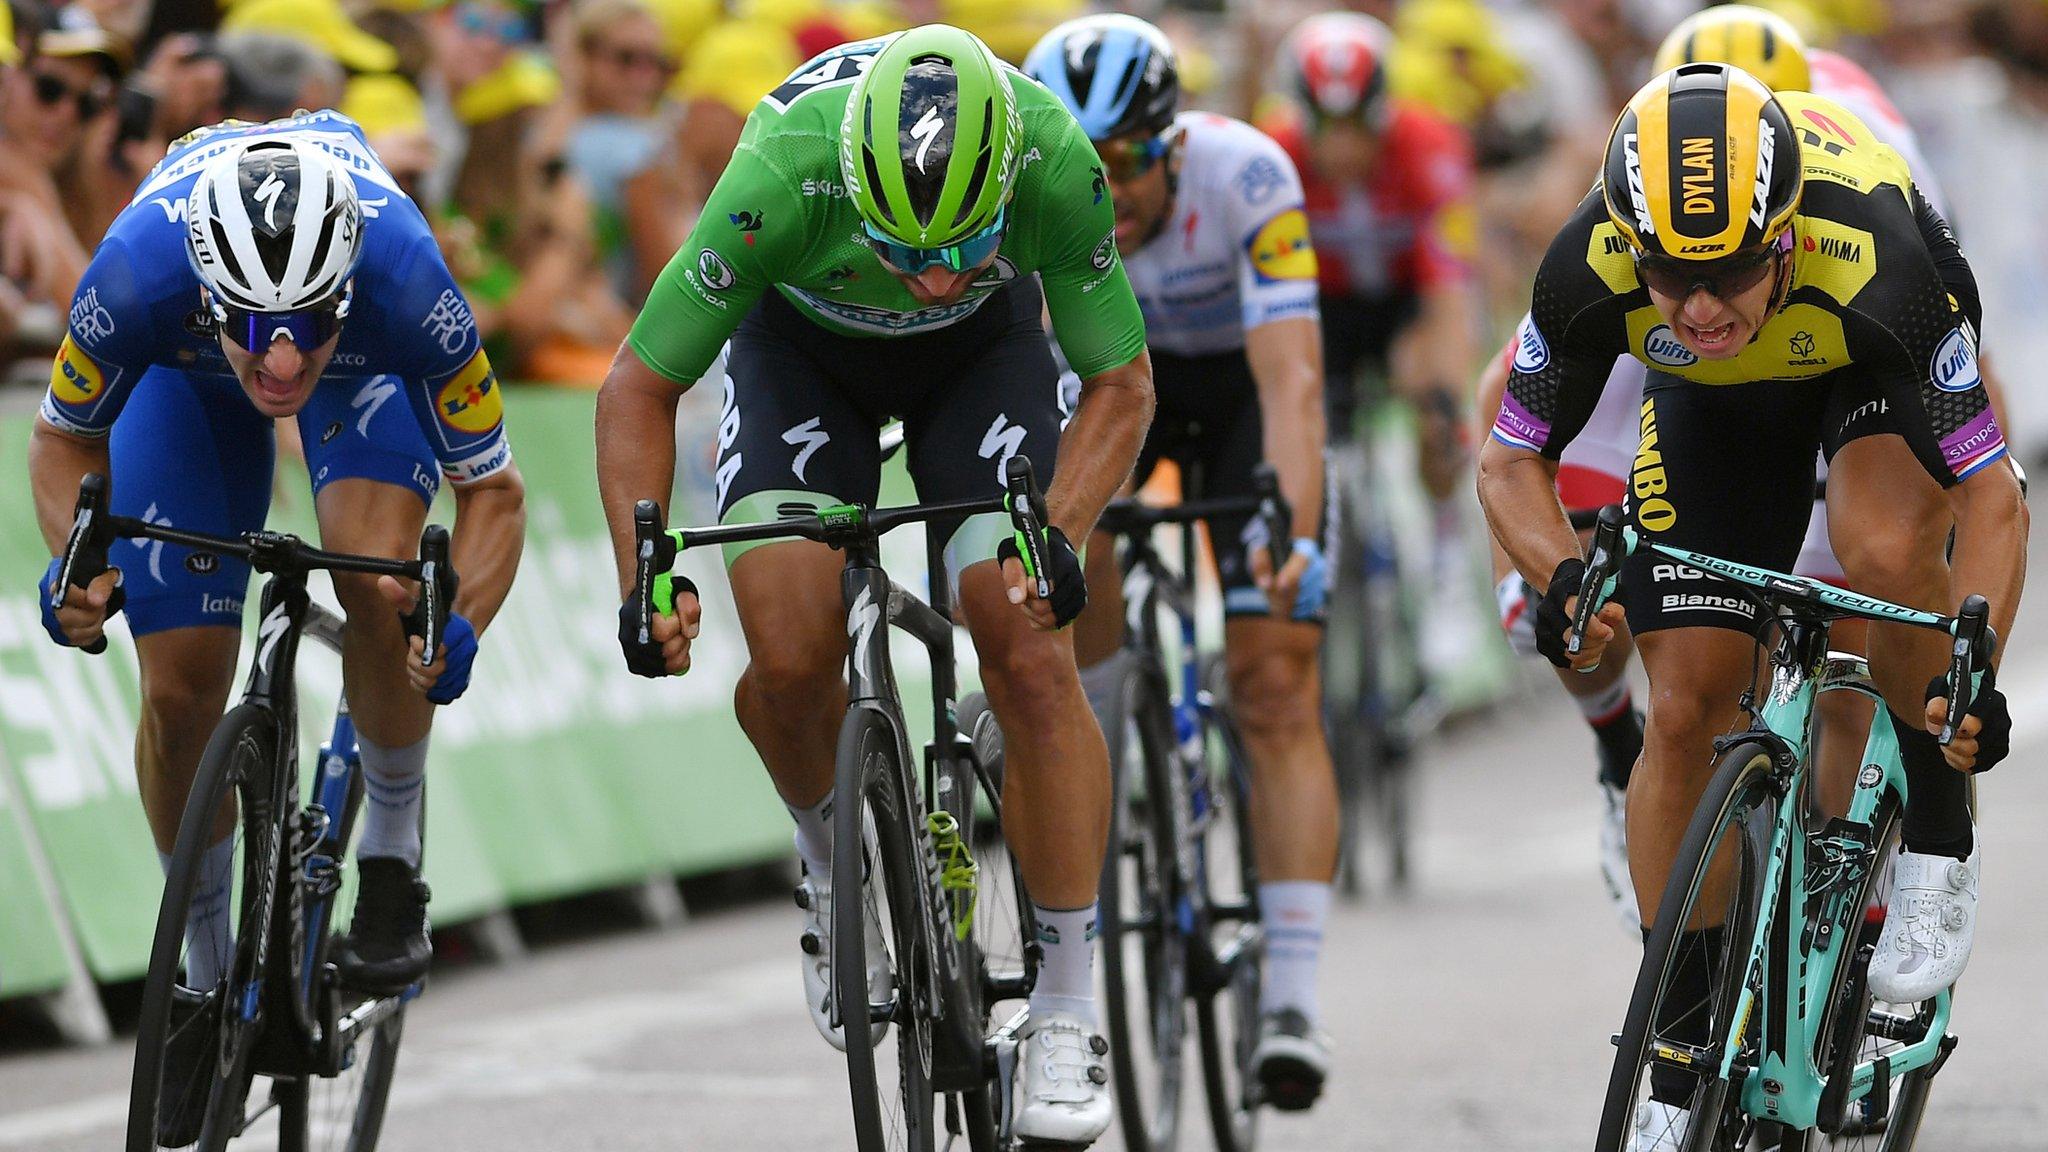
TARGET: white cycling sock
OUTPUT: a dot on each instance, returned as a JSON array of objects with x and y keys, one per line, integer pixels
[
  {"x": 1066, "y": 980},
  {"x": 814, "y": 838},
  {"x": 210, "y": 920},
  {"x": 1294, "y": 912},
  {"x": 1606, "y": 705},
  {"x": 394, "y": 784}
]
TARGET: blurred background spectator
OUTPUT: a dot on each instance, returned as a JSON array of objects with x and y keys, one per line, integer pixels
[{"x": 562, "y": 148}]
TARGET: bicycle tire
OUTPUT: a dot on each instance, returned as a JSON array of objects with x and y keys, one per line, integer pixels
[
  {"x": 872, "y": 798},
  {"x": 1144, "y": 957},
  {"x": 1227, "y": 1017},
  {"x": 1737, "y": 803},
  {"x": 238, "y": 758},
  {"x": 306, "y": 1125}
]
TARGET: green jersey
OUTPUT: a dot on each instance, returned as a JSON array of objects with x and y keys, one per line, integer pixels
[{"x": 781, "y": 216}]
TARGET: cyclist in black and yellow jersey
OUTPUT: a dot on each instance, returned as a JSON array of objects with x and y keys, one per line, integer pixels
[{"x": 1773, "y": 265}]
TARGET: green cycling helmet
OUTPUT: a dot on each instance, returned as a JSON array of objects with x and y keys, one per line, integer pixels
[{"x": 929, "y": 141}]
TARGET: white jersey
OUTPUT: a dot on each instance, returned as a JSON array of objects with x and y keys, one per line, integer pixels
[
  {"x": 1613, "y": 441},
  {"x": 1235, "y": 252}
]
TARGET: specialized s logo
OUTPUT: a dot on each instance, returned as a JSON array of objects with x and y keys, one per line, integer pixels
[
  {"x": 470, "y": 401},
  {"x": 925, "y": 131},
  {"x": 861, "y": 619},
  {"x": 1532, "y": 352},
  {"x": 74, "y": 377},
  {"x": 1280, "y": 249},
  {"x": 1954, "y": 367},
  {"x": 712, "y": 269}
]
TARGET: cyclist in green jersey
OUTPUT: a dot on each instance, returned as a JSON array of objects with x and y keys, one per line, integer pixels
[{"x": 904, "y": 198}]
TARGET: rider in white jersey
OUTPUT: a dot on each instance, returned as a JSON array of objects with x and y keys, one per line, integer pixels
[{"x": 1210, "y": 223}]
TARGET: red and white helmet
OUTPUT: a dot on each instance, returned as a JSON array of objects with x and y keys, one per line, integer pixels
[{"x": 1336, "y": 65}]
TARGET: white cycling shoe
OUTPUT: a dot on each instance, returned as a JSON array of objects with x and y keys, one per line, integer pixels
[
  {"x": 1062, "y": 1083},
  {"x": 1928, "y": 927},
  {"x": 816, "y": 901},
  {"x": 1621, "y": 889},
  {"x": 1660, "y": 1127}
]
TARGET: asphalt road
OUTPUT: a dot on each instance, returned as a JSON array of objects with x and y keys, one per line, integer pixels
[{"x": 1471, "y": 1013}]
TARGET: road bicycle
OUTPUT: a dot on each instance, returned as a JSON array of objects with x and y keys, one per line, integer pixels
[
  {"x": 1788, "y": 1045},
  {"x": 919, "y": 839},
  {"x": 279, "y": 1010},
  {"x": 1179, "y": 897}
]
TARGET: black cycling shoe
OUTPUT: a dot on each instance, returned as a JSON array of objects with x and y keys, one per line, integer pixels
[
  {"x": 190, "y": 1052},
  {"x": 1291, "y": 1060},
  {"x": 386, "y": 949},
  {"x": 1621, "y": 744}
]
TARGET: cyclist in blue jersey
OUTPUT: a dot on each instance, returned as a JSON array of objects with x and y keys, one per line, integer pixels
[{"x": 266, "y": 271}]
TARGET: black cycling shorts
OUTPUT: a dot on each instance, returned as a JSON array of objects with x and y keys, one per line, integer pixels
[
  {"x": 803, "y": 405},
  {"x": 1728, "y": 470},
  {"x": 1207, "y": 422},
  {"x": 1358, "y": 337}
]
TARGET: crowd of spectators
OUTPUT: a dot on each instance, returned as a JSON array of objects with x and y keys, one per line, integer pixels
[{"x": 563, "y": 147}]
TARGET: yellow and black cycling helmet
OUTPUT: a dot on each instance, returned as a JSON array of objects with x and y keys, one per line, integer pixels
[
  {"x": 1756, "y": 40},
  {"x": 1702, "y": 165}
]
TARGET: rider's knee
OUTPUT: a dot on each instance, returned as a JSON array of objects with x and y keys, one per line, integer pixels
[
  {"x": 791, "y": 664},
  {"x": 1896, "y": 554},
  {"x": 1271, "y": 695},
  {"x": 181, "y": 706},
  {"x": 1026, "y": 673},
  {"x": 364, "y": 603}
]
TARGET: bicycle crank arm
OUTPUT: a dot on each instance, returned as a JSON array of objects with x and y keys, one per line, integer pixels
[{"x": 1002, "y": 1049}]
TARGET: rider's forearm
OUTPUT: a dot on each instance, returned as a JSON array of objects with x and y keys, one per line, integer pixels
[
  {"x": 1287, "y": 363},
  {"x": 1991, "y": 545},
  {"x": 1517, "y": 488},
  {"x": 1100, "y": 446},
  {"x": 56, "y": 462},
  {"x": 636, "y": 449},
  {"x": 490, "y": 534}
]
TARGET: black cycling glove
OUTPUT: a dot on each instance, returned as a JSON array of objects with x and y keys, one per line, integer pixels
[
  {"x": 1552, "y": 621},
  {"x": 645, "y": 659},
  {"x": 1063, "y": 570},
  {"x": 1994, "y": 739}
]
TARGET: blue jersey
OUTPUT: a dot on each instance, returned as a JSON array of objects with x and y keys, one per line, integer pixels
[{"x": 139, "y": 307}]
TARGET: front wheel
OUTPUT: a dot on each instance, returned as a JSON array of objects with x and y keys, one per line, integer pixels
[
  {"x": 193, "y": 1045},
  {"x": 1227, "y": 996},
  {"x": 877, "y": 890},
  {"x": 1144, "y": 949},
  {"x": 1666, "y": 1077}
]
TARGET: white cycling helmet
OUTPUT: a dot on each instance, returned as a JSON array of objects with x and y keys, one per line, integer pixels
[{"x": 273, "y": 225}]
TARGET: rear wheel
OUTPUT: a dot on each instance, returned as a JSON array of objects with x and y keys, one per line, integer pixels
[
  {"x": 1870, "y": 1124},
  {"x": 1144, "y": 952},
  {"x": 193, "y": 1046},
  {"x": 888, "y": 1069},
  {"x": 343, "y": 1113},
  {"x": 1669, "y": 1049}
]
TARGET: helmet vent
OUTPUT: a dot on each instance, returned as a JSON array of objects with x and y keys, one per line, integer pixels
[{"x": 979, "y": 177}]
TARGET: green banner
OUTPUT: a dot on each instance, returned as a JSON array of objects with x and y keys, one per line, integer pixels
[{"x": 31, "y": 951}]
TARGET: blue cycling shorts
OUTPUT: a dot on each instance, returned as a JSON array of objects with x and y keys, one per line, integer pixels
[{"x": 190, "y": 451}]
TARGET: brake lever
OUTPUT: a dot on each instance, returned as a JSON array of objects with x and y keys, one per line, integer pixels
[
  {"x": 438, "y": 584},
  {"x": 1613, "y": 540},
  {"x": 1274, "y": 512},
  {"x": 654, "y": 553},
  {"x": 1970, "y": 653},
  {"x": 85, "y": 549},
  {"x": 1028, "y": 517}
]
